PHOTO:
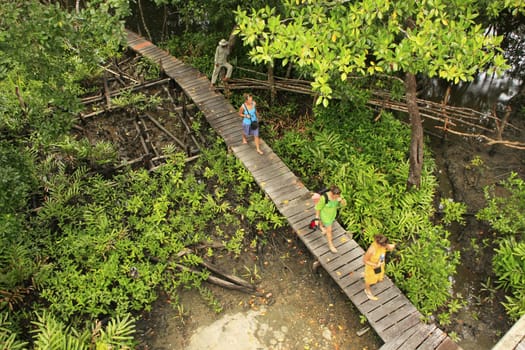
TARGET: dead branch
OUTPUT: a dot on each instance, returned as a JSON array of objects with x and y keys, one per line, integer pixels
[
  {"x": 159, "y": 125},
  {"x": 490, "y": 141},
  {"x": 132, "y": 88},
  {"x": 223, "y": 283},
  {"x": 183, "y": 121},
  {"x": 147, "y": 156},
  {"x": 121, "y": 74},
  {"x": 229, "y": 277}
]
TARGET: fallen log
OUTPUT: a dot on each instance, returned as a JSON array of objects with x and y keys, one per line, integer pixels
[
  {"x": 228, "y": 277},
  {"x": 223, "y": 283}
]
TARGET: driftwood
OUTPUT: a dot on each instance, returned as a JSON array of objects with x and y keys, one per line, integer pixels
[{"x": 117, "y": 76}]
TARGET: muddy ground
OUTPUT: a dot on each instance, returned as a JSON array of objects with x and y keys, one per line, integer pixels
[
  {"x": 300, "y": 309},
  {"x": 483, "y": 321}
]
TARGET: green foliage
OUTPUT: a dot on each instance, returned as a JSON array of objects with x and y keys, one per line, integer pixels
[
  {"x": 504, "y": 211},
  {"x": 8, "y": 339},
  {"x": 424, "y": 268},
  {"x": 509, "y": 267},
  {"x": 196, "y": 49},
  {"x": 366, "y": 159},
  {"x": 47, "y": 52},
  {"x": 208, "y": 15},
  {"x": 338, "y": 39},
  {"x": 104, "y": 245},
  {"x": 17, "y": 182},
  {"x": 136, "y": 100},
  {"x": 17, "y": 178},
  {"x": 49, "y": 333},
  {"x": 147, "y": 69},
  {"x": 262, "y": 213},
  {"x": 453, "y": 211}
]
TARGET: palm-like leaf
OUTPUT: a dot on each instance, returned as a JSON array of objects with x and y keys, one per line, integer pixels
[{"x": 118, "y": 333}]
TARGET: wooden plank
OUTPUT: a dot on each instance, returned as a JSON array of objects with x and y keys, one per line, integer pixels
[
  {"x": 404, "y": 325},
  {"x": 513, "y": 337},
  {"x": 216, "y": 104},
  {"x": 387, "y": 306},
  {"x": 447, "y": 344},
  {"x": 394, "y": 318},
  {"x": 282, "y": 183},
  {"x": 399, "y": 342},
  {"x": 171, "y": 66},
  {"x": 282, "y": 198},
  {"x": 230, "y": 131},
  {"x": 269, "y": 170},
  {"x": 201, "y": 101},
  {"x": 219, "y": 117},
  {"x": 418, "y": 337},
  {"x": 269, "y": 173},
  {"x": 433, "y": 341},
  {"x": 201, "y": 81},
  {"x": 225, "y": 125}
]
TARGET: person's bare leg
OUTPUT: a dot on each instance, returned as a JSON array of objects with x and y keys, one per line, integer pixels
[
  {"x": 329, "y": 239},
  {"x": 257, "y": 144},
  {"x": 244, "y": 139},
  {"x": 369, "y": 293}
]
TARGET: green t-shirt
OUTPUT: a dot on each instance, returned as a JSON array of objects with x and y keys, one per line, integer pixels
[{"x": 327, "y": 211}]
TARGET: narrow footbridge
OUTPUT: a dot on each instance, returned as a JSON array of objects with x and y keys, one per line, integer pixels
[{"x": 393, "y": 317}]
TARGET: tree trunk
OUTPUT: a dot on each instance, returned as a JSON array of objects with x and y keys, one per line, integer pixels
[
  {"x": 416, "y": 142},
  {"x": 271, "y": 82}
]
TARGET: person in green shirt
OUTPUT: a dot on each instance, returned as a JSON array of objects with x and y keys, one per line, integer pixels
[{"x": 326, "y": 212}]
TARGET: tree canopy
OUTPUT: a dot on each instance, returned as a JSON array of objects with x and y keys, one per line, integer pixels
[
  {"x": 336, "y": 39},
  {"x": 437, "y": 38},
  {"x": 46, "y": 50}
]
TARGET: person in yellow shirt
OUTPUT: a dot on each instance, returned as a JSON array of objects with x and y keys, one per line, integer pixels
[{"x": 374, "y": 260}]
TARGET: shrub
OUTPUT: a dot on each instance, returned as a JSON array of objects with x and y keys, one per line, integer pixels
[{"x": 367, "y": 159}]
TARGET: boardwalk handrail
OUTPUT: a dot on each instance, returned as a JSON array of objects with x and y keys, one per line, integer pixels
[{"x": 393, "y": 317}]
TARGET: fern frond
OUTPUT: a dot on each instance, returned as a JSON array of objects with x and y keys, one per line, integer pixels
[{"x": 119, "y": 332}]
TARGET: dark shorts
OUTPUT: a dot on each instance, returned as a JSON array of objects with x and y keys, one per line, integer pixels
[{"x": 246, "y": 129}]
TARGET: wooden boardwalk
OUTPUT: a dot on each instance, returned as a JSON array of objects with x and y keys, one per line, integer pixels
[
  {"x": 393, "y": 317},
  {"x": 515, "y": 337}
]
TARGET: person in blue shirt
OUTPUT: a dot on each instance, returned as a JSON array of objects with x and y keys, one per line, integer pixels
[{"x": 249, "y": 115}]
